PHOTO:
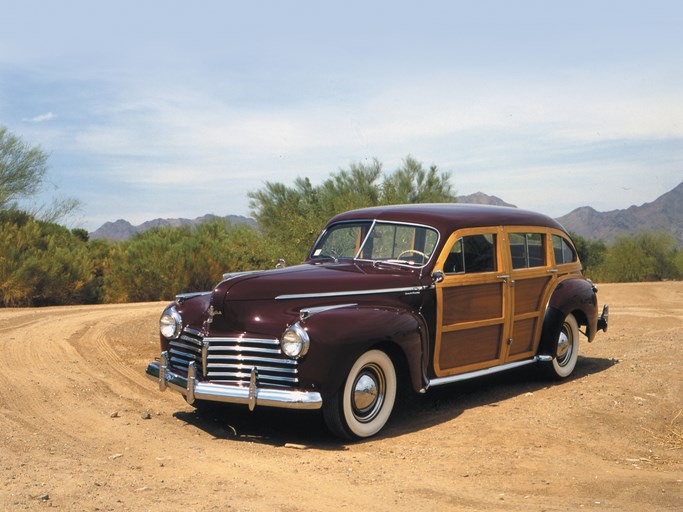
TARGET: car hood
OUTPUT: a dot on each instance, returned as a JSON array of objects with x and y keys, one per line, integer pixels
[{"x": 325, "y": 279}]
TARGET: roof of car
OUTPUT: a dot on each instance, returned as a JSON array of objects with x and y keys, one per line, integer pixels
[{"x": 452, "y": 216}]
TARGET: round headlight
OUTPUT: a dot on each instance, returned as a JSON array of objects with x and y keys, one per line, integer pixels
[
  {"x": 295, "y": 341},
  {"x": 170, "y": 324}
]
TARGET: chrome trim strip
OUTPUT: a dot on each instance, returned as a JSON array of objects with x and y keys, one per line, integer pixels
[
  {"x": 181, "y": 353},
  {"x": 283, "y": 398},
  {"x": 221, "y": 360},
  {"x": 177, "y": 345},
  {"x": 241, "y": 375},
  {"x": 266, "y": 341},
  {"x": 305, "y": 313},
  {"x": 486, "y": 371},
  {"x": 182, "y": 297},
  {"x": 192, "y": 331},
  {"x": 230, "y": 275},
  {"x": 349, "y": 293},
  {"x": 231, "y": 352}
]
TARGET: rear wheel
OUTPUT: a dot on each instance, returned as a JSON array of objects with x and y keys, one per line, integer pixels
[
  {"x": 363, "y": 405},
  {"x": 567, "y": 351}
]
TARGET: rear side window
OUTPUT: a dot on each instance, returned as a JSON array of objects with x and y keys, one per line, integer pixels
[
  {"x": 564, "y": 252},
  {"x": 472, "y": 254},
  {"x": 527, "y": 250}
]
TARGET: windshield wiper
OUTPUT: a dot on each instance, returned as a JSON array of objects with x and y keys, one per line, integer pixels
[{"x": 397, "y": 263}]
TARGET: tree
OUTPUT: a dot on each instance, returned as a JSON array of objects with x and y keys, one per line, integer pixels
[
  {"x": 22, "y": 175},
  {"x": 291, "y": 217},
  {"x": 591, "y": 252},
  {"x": 22, "y": 169}
]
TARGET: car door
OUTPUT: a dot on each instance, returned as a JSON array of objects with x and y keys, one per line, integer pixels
[
  {"x": 532, "y": 275},
  {"x": 473, "y": 301}
]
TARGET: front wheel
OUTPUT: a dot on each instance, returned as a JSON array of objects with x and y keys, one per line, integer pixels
[
  {"x": 363, "y": 405},
  {"x": 567, "y": 351}
]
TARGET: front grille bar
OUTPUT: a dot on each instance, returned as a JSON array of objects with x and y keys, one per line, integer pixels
[{"x": 233, "y": 360}]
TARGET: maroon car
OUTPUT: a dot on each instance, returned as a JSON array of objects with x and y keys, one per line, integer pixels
[{"x": 425, "y": 294}]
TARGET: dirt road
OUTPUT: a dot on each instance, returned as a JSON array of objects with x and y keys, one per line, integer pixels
[{"x": 73, "y": 433}]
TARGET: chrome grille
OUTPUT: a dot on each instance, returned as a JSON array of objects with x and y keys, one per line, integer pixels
[
  {"x": 188, "y": 347},
  {"x": 230, "y": 360}
]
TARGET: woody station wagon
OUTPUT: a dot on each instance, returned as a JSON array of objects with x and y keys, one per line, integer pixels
[{"x": 425, "y": 295}]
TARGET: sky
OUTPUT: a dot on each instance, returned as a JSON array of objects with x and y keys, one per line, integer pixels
[{"x": 169, "y": 109}]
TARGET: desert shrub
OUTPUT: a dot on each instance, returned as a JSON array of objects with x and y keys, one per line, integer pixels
[
  {"x": 159, "y": 263},
  {"x": 643, "y": 257},
  {"x": 42, "y": 263}
]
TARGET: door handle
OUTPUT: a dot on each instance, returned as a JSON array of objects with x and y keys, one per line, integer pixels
[
  {"x": 504, "y": 277},
  {"x": 552, "y": 270}
]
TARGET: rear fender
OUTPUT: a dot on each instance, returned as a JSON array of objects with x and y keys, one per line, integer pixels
[{"x": 575, "y": 296}]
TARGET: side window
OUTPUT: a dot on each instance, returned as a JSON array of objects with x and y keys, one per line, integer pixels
[
  {"x": 471, "y": 254},
  {"x": 564, "y": 253},
  {"x": 527, "y": 250}
]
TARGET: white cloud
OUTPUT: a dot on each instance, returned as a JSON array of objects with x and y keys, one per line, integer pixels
[{"x": 48, "y": 116}]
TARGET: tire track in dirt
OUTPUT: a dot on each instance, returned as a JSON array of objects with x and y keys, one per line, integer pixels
[
  {"x": 509, "y": 443},
  {"x": 60, "y": 365}
]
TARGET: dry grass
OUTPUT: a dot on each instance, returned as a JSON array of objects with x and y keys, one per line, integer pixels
[{"x": 672, "y": 437}]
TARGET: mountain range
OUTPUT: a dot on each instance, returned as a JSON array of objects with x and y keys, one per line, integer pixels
[
  {"x": 123, "y": 230},
  {"x": 663, "y": 214}
]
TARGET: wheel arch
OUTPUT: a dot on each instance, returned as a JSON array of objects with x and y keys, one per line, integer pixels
[{"x": 575, "y": 296}]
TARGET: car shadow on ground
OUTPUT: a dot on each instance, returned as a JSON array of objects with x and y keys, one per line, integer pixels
[{"x": 306, "y": 429}]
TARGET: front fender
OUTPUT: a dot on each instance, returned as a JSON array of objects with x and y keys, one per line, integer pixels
[{"x": 339, "y": 336}]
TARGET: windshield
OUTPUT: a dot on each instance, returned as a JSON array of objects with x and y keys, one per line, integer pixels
[{"x": 377, "y": 241}]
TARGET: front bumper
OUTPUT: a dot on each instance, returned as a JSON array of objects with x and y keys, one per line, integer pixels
[{"x": 193, "y": 389}]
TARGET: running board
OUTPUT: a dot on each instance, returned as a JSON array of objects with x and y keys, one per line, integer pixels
[{"x": 486, "y": 371}]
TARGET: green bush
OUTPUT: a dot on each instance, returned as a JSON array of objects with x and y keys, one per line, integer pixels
[
  {"x": 159, "y": 263},
  {"x": 42, "y": 263},
  {"x": 643, "y": 257}
]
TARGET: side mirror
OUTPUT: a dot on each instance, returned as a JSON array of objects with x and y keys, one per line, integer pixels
[
  {"x": 438, "y": 276},
  {"x": 281, "y": 263}
]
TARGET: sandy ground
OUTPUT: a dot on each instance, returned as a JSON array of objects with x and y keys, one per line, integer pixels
[{"x": 73, "y": 433}]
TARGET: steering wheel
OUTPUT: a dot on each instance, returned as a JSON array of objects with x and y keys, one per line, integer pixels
[{"x": 413, "y": 251}]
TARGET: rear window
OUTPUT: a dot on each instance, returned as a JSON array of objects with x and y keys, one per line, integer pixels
[{"x": 564, "y": 252}]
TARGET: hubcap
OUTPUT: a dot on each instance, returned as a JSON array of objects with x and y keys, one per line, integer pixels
[
  {"x": 368, "y": 393},
  {"x": 564, "y": 346}
]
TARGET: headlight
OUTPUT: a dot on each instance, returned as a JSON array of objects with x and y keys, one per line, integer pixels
[
  {"x": 295, "y": 341},
  {"x": 170, "y": 324}
]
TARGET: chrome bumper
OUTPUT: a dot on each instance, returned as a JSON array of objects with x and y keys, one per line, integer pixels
[
  {"x": 192, "y": 389},
  {"x": 603, "y": 321}
]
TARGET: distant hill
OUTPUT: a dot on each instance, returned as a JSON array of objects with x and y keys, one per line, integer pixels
[
  {"x": 123, "y": 230},
  {"x": 481, "y": 198},
  {"x": 663, "y": 214}
]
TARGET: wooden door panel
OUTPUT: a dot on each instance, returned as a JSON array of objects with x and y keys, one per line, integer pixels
[
  {"x": 523, "y": 333},
  {"x": 529, "y": 293},
  {"x": 472, "y": 303},
  {"x": 470, "y": 346}
]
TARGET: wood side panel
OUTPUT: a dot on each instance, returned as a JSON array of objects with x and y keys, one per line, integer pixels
[
  {"x": 472, "y": 303},
  {"x": 522, "y": 336},
  {"x": 528, "y": 294},
  {"x": 460, "y": 348}
]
